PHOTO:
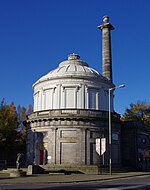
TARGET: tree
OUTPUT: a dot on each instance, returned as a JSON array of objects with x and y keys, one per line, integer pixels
[
  {"x": 23, "y": 113},
  {"x": 8, "y": 122},
  {"x": 138, "y": 112},
  {"x": 8, "y": 132},
  {"x": 21, "y": 127},
  {"x": 12, "y": 130},
  {"x": 21, "y": 117},
  {"x": 30, "y": 109}
]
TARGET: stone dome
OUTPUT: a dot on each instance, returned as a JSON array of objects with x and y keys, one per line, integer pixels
[
  {"x": 73, "y": 67},
  {"x": 72, "y": 85}
]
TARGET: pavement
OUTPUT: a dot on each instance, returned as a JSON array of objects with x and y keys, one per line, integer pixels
[{"x": 61, "y": 178}]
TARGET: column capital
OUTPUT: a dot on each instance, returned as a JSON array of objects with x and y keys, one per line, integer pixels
[{"x": 106, "y": 24}]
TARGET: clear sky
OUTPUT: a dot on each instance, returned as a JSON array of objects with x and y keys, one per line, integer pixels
[{"x": 36, "y": 35}]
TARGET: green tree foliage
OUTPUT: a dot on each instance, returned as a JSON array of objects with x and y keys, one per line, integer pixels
[
  {"x": 21, "y": 127},
  {"x": 138, "y": 112},
  {"x": 22, "y": 114},
  {"x": 12, "y": 130},
  {"x": 8, "y": 132},
  {"x": 8, "y": 123},
  {"x": 30, "y": 109}
]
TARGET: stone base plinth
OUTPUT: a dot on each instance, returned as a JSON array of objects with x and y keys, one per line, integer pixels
[
  {"x": 17, "y": 173},
  {"x": 84, "y": 169},
  {"x": 34, "y": 169}
]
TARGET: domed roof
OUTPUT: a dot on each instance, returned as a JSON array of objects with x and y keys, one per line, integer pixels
[{"x": 73, "y": 67}]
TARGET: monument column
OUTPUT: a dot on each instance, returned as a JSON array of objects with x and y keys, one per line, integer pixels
[{"x": 106, "y": 48}]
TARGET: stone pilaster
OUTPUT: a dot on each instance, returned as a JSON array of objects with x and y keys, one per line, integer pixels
[{"x": 83, "y": 146}]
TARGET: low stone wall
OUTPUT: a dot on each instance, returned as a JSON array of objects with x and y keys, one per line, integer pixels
[
  {"x": 17, "y": 173},
  {"x": 84, "y": 169}
]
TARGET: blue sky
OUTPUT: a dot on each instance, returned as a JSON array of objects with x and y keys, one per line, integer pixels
[{"x": 36, "y": 35}]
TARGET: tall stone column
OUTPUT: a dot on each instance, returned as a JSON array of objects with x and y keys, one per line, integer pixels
[{"x": 106, "y": 48}]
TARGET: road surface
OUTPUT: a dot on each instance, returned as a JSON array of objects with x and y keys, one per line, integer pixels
[{"x": 137, "y": 182}]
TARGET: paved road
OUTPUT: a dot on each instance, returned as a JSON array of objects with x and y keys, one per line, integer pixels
[{"x": 137, "y": 182}]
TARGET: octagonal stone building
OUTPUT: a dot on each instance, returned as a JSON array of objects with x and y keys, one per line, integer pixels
[{"x": 71, "y": 112}]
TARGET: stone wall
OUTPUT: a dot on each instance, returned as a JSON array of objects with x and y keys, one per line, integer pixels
[{"x": 68, "y": 137}]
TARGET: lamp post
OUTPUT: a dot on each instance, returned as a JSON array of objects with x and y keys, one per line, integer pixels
[
  {"x": 34, "y": 146},
  {"x": 110, "y": 128}
]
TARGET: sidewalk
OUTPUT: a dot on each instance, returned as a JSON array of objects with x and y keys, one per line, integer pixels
[{"x": 61, "y": 178}]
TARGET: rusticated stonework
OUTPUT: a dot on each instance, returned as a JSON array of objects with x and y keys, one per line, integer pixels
[{"x": 67, "y": 136}]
